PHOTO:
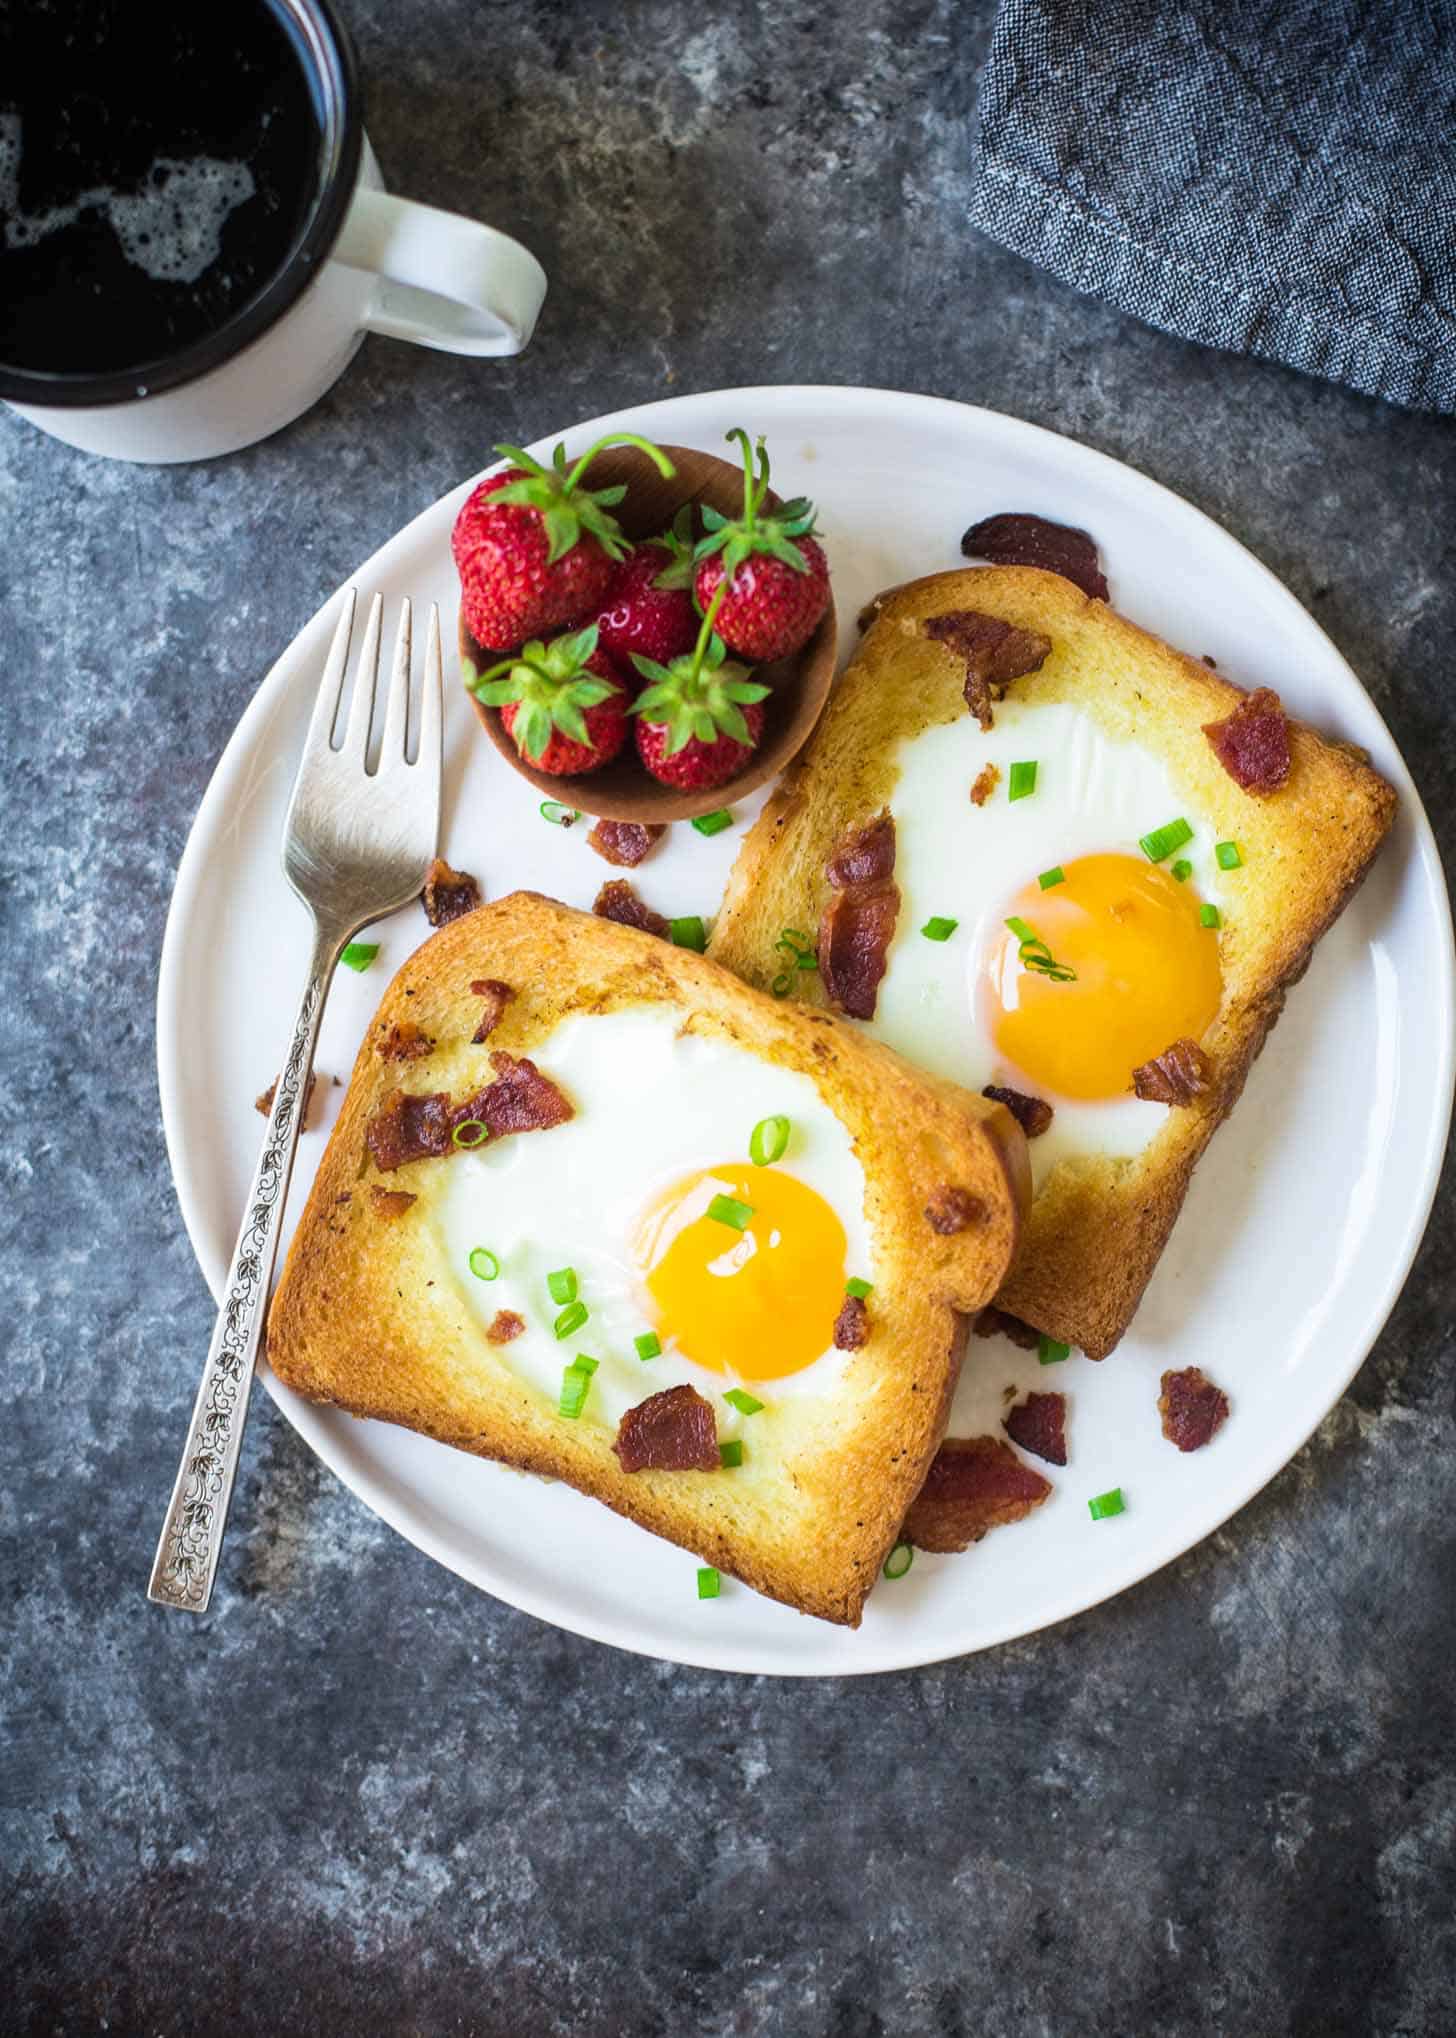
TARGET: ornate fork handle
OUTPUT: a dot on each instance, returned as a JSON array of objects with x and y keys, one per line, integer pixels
[{"x": 191, "y": 1539}]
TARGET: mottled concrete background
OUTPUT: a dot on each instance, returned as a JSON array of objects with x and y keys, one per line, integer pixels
[{"x": 361, "y": 1797}]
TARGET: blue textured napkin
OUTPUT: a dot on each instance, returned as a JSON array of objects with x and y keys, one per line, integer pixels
[{"x": 1279, "y": 179}]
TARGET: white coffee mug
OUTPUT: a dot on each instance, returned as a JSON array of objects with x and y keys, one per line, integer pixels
[{"x": 366, "y": 262}]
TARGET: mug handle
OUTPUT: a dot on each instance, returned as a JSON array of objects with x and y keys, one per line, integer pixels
[{"x": 445, "y": 281}]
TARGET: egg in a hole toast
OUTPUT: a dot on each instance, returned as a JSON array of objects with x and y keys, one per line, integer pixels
[
  {"x": 596, "y": 1208},
  {"x": 1089, "y": 869}
]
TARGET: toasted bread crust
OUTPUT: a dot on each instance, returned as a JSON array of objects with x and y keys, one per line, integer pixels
[
  {"x": 1097, "y": 1227},
  {"x": 369, "y": 1317}
]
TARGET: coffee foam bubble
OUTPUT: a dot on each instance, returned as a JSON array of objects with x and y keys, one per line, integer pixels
[{"x": 171, "y": 229}]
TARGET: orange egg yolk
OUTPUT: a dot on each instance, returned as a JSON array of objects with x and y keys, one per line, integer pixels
[
  {"x": 1146, "y": 974},
  {"x": 759, "y": 1302}
]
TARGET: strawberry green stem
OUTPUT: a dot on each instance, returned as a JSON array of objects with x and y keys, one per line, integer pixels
[
  {"x": 705, "y": 635},
  {"x": 755, "y": 488},
  {"x": 655, "y": 454}
]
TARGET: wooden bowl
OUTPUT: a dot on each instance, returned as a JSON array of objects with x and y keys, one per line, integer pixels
[{"x": 623, "y": 790}]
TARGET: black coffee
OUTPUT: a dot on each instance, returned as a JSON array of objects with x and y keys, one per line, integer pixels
[{"x": 158, "y": 159}]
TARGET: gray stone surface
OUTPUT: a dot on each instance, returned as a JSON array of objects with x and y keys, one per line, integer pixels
[{"x": 360, "y": 1796}]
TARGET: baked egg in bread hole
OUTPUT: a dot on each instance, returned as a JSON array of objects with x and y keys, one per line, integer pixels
[
  {"x": 620, "y": 1203},
  {"x": 1125, "y": 963}
]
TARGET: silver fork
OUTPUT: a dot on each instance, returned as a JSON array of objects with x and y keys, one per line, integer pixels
[{"x": 357, "y": 844}]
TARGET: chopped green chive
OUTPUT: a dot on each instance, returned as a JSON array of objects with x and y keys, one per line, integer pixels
[
  {"x": 899, "y": 1560},
  {"x": 728, "y": 1210},
  {"x": 731, "y": 1453},
  {"x": 937, "y": 929},
  {"x": 782, "y": 984},
  {"x": 359, "y": 954},
  {"x": 1035, "y": 955},
  {"x": 571, "y": 1318},
  {"x": 713, "y": 824},
  {"x": 1055, "y": 876},
  {"x": 557, "y": 815},
  {"x": 743, "y": 1401},
  {"x": 649, "y": 1345},
  {"x": 708, "y": 1582},
  {"x": 575, "y": 1382},
  {"x": 1106, "y": 1504},
  {"x": 1182, "y": 870},
  {"x": 1228, "y": 855},
  {"x": 470, "y": 1132},
  {"x": 484, "y": 1264},
  {"x": 1050, "y": 1353},
  {"x": 1209, "y": 916},
  {"x": 769, "y": 1140},
  {"x": 858, "y": 1288},
  {"x": 1021, "y": 782},
  {"x": 561, "y": 1286},
  {"x": 689, "y": 932},
  {"x": 1163, "y": 841}
]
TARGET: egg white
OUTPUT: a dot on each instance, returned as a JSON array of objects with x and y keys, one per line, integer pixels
[
  {"x": 652, "y": 1105},
  {"x": 966, "y": 863}
]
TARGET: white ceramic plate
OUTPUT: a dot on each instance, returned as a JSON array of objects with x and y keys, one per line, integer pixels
[{"x": 1302, "y": 1222}]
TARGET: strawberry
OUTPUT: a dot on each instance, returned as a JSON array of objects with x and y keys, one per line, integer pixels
[
  {"x": 648, "y": 605},
  {"x": 563, "y": 703},
  {"x": 698, "y": 718},
  {"x": 771, "y": 564},
  {"x": 534, "y": 549}
]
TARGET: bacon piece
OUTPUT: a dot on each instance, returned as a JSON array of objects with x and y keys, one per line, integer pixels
[
  {"x": 448, "y": 893},
  {"x": 264, "y": 1103},
  {"x": 1032, "y": 1114},
  {"x": 390, "y": 1203},
  {"x": 984, "y": 784},
  {"x": 625, "y": 843},
  {"x": 994, "y": 1322},
  {"x": 618, "y": 901},
  {"x": 1176, "y": 1076},
  {"x": 1252, "y": 744},
  {"x": 405, "y": 1042},
  {"x": 994, "y": 652},
  {"x": 1017, "y": 538},
  {"x": 858, "y": 924},
  {"x": 1192, "y": 1408},
  {"x": 504, "y": 1326},
  {"x": 407, "y": 1127},
  {"x": 950, "y": 1209},
  {"x": 852, "y": 1325},
  {"x": 863, "y": 856},
  {"x": 974, "y": 1484},
  {"x": 520, "y": 1099},
  {"x": 672, "y": 1431},
  {"x": 1039, "y": 1425},
  {"x": 497, "y": 996}
]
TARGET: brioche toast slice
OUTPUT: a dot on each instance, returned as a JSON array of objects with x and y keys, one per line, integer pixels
[
  {"x": 1098, "y": 1222},
  {"x": 382, "y": 1312}
]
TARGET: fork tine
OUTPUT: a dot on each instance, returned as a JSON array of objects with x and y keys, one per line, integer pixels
[
  {"x": 326, "y": 701},
  {"x": 361, "y": 708},
  {"x": 392, "y": 746},
  {"x": 428, "y": 752}
]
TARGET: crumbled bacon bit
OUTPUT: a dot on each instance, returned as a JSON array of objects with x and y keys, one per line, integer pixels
[
  {"x": 414, "y": 1128},
  {"x": 974, "y": 1484},
  {"x": 1016, "y": 538},
  {"x": 618, "y": 901},
  {"x": 858, "y": 924},
  {"x": 448, "y": 893},
  {"x": 520, "y": 1099},
  {"x": 405, "y": 1042},
  {"x": 497, "y": 996},
  {"x": 672, "y": 1431},
  {"x": 1192, "y": 1408},
  {"x": 1252, "y": 744},
  {"x": 994, "y": 652},
  {"x": 852, "y": 1325},
  {"x": 390, "y": 1203},
  {"x": 408, "y": 1127},
  {"x": 1032, "y": 1114},
  {"x": 994, "y": 1322},
  {"x": 264, "y": 1103},
  {"x": 1176, "y": 1076},
  {"x": 950, "y": 1209},
  {"x": 984, "y": 784},
  {"x": 1039, "y": 1425},
  {"x": 504, "y": 1326},
  {"x": 625, "y": 843}
]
